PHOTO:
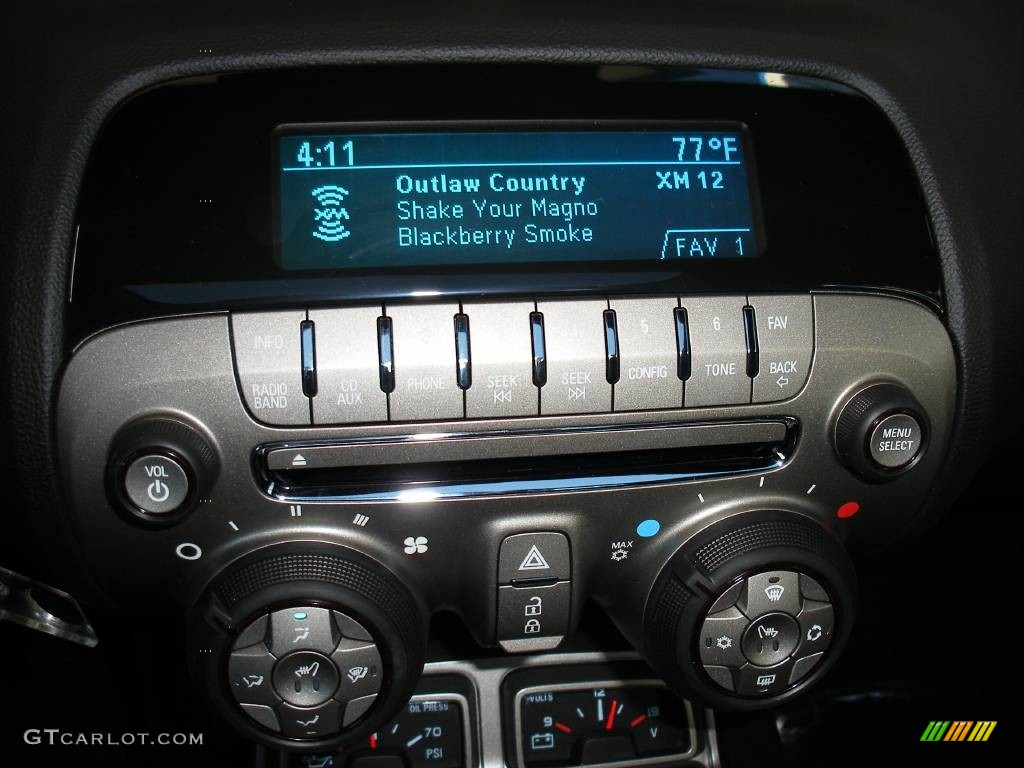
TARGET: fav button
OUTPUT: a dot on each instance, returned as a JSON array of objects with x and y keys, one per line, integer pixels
[
  {"x": 156, "y": 484},
  {"x": 785, "y": 336}
]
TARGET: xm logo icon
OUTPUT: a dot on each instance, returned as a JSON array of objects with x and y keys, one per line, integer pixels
[{"x": 328, "y": 217}]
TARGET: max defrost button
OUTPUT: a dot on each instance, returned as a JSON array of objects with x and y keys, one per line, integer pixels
[
  {"x": 347, "y": 367},
  {"x": 785, "y": 335},
  {"x": 268, "y": 353},
  {"x": 156, "y": 484},
  {"x": 574, "y": 337}
]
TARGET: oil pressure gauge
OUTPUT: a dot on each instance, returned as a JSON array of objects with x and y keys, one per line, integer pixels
[{"x": 635, "y": 723}]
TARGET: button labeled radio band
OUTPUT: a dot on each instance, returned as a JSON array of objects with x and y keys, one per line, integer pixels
[{"x": 269, "y": 357}]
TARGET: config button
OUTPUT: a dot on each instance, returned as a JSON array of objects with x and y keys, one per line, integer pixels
[{"x": 156, "y": 484}]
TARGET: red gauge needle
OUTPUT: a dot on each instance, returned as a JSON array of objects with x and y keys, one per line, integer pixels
[
  {"x": 610, "y": 722},
  {"x": 563, "y": 728},
  {"x": 637, "y": 720}
]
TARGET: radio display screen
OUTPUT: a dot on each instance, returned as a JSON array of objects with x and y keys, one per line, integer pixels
[{"x": 348, "y": 199}]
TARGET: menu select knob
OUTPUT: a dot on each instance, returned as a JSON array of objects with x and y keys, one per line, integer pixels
[{"x": 881, "y": 432}]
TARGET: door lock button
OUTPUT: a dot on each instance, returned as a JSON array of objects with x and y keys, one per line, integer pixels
[{"x": 156, "y": 484}]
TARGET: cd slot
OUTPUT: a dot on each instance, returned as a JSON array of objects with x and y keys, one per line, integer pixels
[{"x": 423, "y": 467}]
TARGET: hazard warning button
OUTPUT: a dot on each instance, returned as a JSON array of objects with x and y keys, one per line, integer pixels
[{"x": 534, "y": 556}]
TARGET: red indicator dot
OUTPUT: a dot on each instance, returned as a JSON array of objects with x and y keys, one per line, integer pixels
[{"x": 849, "y": 509}]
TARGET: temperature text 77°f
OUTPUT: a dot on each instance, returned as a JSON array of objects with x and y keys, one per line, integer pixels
[{"x": 700, "y": 148}]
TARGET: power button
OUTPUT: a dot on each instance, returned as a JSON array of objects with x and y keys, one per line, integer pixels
[{"x": 156, "y": 484}]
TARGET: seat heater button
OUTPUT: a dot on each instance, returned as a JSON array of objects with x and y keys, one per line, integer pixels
[
  {"x": 574, "y": 340},
  {"x": 785, "y": 336},
  {"x": 314, "y": 722},
  {"x": 302, "y": 629},
  {"x": 347, "y": 367},
  {"x": 156, "y": 484},
  {"x": 526, "y": 556},
  {"x": 305, "y": 678},
  {"x": 648, "y": 355},
  {"x": 718, "y": 368},
  {"x": 268, "y": 353},
  {"x": 770, "y": 639},
  {"x": 501, "y": 352},
  {"x": 426, "y": 370},
  {"x": 250, "y": 674}
]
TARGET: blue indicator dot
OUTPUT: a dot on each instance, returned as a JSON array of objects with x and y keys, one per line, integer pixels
[
  {"x": 648, "y": 528},
  {"x": 299, "y": 616}
]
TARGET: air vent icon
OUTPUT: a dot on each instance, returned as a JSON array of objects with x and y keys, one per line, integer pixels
[{"x": 774, "y": 592}]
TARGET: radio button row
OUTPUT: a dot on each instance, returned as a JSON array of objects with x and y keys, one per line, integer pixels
[
  {"x": 785, "y": 334},
  {"x": 347, "y": 367},
  {"x": 501, "y": 356},
  {"x": 269, "y": 358},
  {"x": 575, "y": 348},
  {"x": 649, "y": 357},
  {"x": 426, "y": 384},
  {"x": 718, "y": 374}
]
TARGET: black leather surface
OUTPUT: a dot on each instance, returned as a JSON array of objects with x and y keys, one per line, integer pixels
[{"x": 949, "y": 75}]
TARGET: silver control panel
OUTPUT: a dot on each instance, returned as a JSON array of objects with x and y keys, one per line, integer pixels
[{"x": 549, "y": 357}]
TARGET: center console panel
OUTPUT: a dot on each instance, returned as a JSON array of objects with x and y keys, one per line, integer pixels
[{"x": 308, "y": 465}]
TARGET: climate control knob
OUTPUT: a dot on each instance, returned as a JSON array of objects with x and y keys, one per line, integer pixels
[
  {"x": 750, "y": 611},
  {"x": 321, "y": 644}
]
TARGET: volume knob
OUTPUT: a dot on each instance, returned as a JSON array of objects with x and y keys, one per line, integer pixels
[{"x": 158, "y": 468}]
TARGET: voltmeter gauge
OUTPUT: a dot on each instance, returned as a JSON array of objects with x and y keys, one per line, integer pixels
[{"x": 597, "y": 724}]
